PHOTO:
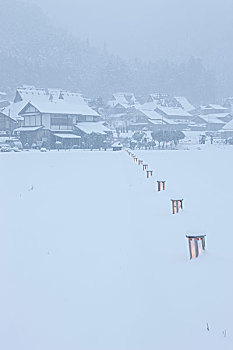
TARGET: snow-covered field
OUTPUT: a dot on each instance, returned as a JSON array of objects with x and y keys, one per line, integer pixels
[{"x": 92, "y": 258}]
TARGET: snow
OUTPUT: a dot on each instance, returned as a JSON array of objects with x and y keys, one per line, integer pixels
[
  {"x": 185, "y": 104},
  {"x": 212, "y": 118},
  {"x": 31, "y": 93},
  {"x": 151, "y": 114},
  {"x": 174, "y": 111},
  {"x": 117, "y": 144},
  {"x": 149, "y": 106},
  {"x": 67, "y": 136},
  {"x": 228, "y": 126},
  {"x": 28, "y": 128},
  {"x": 217, "y": 107},
  {"x": 95, "y": 127},
  {"x": 63, "y": 107},
  {"x": 92, "y": 258},
  {"x": 14, "y": 109}
]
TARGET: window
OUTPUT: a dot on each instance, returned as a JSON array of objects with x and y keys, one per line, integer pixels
[
  {"x": 62, "y": 122},
  {"x": 32, "y": 120}
]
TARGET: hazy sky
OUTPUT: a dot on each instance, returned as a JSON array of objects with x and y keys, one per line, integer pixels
[{"x": 150, "y": 29}]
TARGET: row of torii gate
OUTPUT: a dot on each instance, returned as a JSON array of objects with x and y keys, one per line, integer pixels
[{"x": 196, "y": 243}]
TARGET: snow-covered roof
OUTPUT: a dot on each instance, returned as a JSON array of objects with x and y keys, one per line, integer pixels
[
  {"x": 157, "y": 96},
  {"x": 174, "y": 111},
  {"x": 93, "y": 127},
  {"x": 28, "y": 128},
  {"x": 157, "y": 121},
  {"x": 62, "y": 107},
  {"x": 117, "y": 144},
  {"x": 123, "y": 98},
  {"x": 214, "y": 118},
  {"x": 217, "y": 107},
  {"x": 164, "y": 121},
  {"x": 31, "y": 93},
  {"x": 185, "y": 104},
  {"x": 150, "y": 106},
  {"x": 120, "y": 98},
  {"x": 151, "y": 114},
  {"x": 213, "y": 107},
  {"x": 120, "y": 104},
  {"x": 14, "y": 109},
  {"x": 67, "y": 136},
  {"x": 228, "y": 126}
]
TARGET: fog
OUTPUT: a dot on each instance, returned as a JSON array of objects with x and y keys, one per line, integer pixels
[
  {"x": 150, "y": 29},
  {"x": 178, "y": 47}
]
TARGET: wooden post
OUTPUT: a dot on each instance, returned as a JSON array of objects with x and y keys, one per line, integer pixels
[
  {"x": 161, "y": 185},
  {"x": 193, "y": 240},
  {"x": 177, "y": 205}
]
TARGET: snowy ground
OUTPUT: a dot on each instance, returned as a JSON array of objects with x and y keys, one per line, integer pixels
[{"x": 92, "y": 258}]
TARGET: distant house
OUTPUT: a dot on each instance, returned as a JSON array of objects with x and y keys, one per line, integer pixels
[
  {"x": 10, "y": 118},
  {"x": 31, "y": 93},
  {"x": 117, "y": 146},
  {"x": 150, "y": 116},
  {"x": 177, "y": 115},
  {"x": 211, "y": 109},
  {"x": 97, "y": 128},
  {"x": 44, "y": 120},
  {"x": 123, "y": 98},
  {"x": 93, "y": 134},
  {"x": 227, "y": 130},
  {"x": 184, "y": 103},
  {"x": 119, "y": 108},
  {"x": 132, "y": 119},
  {"x": 149, "y": 106},
  {"x": 7, "y": 123},
  {"x": 228, "y": 103},
  {"x": 159, "y": 98},
  {"x": 211, "y": 122},
  {"x": 157, "y": 122}
]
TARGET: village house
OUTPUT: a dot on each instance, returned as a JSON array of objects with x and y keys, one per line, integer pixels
[
  {"x": 10, "y": 118},
  {"x": 159, "y": 99},
  {"x": 31, "y": 93},
  {"x": 131, "y": 119},
  {"x": 211, "y": 109},
  {"x": 227, "y": 130},
  {"x": 177, "y": 115},
  {"x": 157, "y": 122},
  {"x": 126, "y": 99},
  {"x": 93, "y": 134},
  {"x": 7, "y": 124},
  {"x": 45, "y": 120},
  {"x": 216, "y": 121},
  {"x": 228, "y": 103},
  {"x": 184, "y": 103}
]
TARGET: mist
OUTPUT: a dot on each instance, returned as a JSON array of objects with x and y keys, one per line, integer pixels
[{"x": 152, "y": 29}]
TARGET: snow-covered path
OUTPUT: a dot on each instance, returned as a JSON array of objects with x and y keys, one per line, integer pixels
[{"x": 92, "y": 258}]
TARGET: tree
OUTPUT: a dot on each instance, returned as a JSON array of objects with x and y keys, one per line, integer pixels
[
  {"x": 166, "y": 136},
  {"x": 138, "y": 136},
  {"x": 158, "y": 136}
]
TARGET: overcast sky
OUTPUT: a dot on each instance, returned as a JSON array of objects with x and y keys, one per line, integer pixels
[{"x": 150, "y": 29}]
